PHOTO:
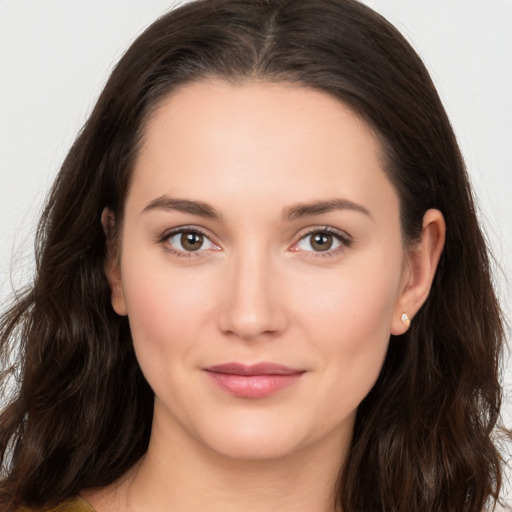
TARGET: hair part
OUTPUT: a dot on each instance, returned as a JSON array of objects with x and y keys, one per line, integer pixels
[{"x": 81, "y": 415}]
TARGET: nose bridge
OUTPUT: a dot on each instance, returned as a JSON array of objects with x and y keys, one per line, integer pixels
[{"x": 252, "y": 306}]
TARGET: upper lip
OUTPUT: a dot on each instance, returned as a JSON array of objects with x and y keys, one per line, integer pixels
[{"x": 253, "y": 369}]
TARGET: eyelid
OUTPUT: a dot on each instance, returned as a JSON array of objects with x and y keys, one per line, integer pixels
[
  {"x": 163, "y": 239},
  {"x": 342, "y": 236}
]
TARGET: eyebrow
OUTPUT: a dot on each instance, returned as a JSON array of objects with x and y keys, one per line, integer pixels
[
  {"x": 290, "y": 213},
  {"x": 183, "y": 205},
  {"x": 316, "y": 208}
]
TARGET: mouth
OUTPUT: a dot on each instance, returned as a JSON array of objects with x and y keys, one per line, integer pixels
[{"x": 253, "y": 381}]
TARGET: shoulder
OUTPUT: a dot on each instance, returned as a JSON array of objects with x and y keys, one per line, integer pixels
[{"x": 77, "y": 504}]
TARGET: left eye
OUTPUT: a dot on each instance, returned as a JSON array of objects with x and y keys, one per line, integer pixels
[
  {"x": 319, "y": 241},
  {"x": 190, "y": 241}
]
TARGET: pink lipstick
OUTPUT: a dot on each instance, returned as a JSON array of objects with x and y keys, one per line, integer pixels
[{"x": 253, "y": 381}]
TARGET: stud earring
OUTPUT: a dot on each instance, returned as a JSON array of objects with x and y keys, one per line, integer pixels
[{"x": 405, "y": 320}]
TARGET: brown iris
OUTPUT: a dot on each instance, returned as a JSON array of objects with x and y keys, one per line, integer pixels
[
  {"x": 191, "y": 240},
  {"x": 321, "y": 241}
]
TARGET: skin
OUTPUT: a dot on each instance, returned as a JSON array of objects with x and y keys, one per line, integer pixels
[{"x": 258, "y": 290}]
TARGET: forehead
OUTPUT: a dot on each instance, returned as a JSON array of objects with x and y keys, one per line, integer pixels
[{"x": 254, "y": 141}]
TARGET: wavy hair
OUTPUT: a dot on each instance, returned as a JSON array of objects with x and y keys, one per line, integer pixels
[{"x": 80, "y": 415}]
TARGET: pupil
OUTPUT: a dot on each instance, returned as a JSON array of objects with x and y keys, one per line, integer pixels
[
  {"x": 321, "y": 242},
  {"x": 191, "y": 241}
]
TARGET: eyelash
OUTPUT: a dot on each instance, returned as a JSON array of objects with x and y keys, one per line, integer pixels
[
  {"x": 164, "y": 240},
  {"x": 344, "y": 240}
]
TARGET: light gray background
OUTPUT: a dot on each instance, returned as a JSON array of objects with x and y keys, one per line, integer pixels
[{"x": 55, "y": 56}]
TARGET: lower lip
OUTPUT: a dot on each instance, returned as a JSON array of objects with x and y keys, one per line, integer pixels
[{"x": 253, "y": 386}]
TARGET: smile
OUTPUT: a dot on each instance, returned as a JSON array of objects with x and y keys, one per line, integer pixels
[{"x": 253, "y": 381}]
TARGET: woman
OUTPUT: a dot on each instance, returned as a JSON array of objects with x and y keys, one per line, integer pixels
[{"x": 261, "y": 283}]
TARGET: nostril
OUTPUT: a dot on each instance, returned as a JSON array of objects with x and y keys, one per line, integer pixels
[
  {"x": 251, "y": 306},
  {"x": 252, "y": 319}
]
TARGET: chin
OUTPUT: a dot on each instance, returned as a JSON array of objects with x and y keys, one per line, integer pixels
[
  {"x": 258, "y": 437},
  {"x": 253, "y": 447}
]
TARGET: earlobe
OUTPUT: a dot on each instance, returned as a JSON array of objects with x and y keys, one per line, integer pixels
[
  {"x": 405, "y": 320},
  {"x": 422, "y": 260},
  {"x": 112, "y": 264}
]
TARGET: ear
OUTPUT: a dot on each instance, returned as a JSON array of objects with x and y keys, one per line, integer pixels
[
  {"x": 112, "y": 263},
  {"x": 422, "y": 261}
]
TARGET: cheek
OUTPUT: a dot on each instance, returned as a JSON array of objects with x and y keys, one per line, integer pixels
[
  {"x": 352, "y": 331},
  {"x": 166, "y": 308},
  {"x": 348, "y": 323},
  {"x": 352, "y": 360},
  {"x": 167, "y": 311},
  {"x": 353, "y": 305}
]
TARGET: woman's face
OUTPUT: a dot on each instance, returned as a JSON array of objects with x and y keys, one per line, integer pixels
[{"x": 261, "y": 266}]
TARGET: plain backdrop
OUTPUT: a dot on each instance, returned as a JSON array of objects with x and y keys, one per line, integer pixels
[{"x": 55, "y": 56}]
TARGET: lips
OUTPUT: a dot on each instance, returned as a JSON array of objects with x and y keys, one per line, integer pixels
[{"x": 253, "y": 381}]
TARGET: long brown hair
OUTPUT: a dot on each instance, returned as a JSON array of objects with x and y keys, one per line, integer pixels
[{"x": 80, "y": 415}]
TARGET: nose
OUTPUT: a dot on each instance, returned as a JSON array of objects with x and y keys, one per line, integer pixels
[{"x": 253, "y": 299}]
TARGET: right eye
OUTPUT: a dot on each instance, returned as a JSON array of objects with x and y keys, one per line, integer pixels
[{"x": 185, "y": 241}]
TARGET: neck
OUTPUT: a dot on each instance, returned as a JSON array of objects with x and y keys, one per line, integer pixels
[
  {"x": 186, "y": 475},
  {"x": 179, "y": 473}
]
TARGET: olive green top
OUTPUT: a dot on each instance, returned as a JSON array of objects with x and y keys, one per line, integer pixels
[{"x": 76, "y": 505}]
